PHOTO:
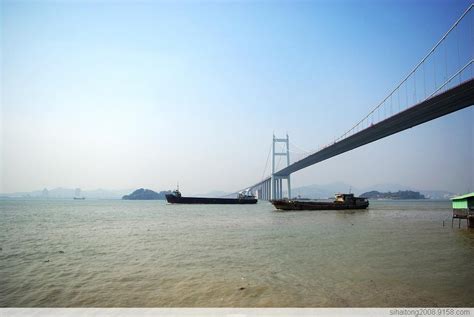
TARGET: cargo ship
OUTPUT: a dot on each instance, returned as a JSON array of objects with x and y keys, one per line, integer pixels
[
  {"x": 243, "y": 198},
  {"x": 341, "y": 202}
]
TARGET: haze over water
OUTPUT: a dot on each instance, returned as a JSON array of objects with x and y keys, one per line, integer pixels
[{"x": 148, "y": 253}]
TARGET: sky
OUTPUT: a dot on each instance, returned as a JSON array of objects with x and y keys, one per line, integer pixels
[{"x": 124, "y": 94}]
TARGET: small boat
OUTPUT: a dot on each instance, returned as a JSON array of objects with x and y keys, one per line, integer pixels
[
  {"x": 341, "y": 202},
  {"x": 77, "y": 195},
  {"x": 243, "y": 198}
]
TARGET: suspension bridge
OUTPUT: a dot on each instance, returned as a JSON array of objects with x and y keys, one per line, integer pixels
[{"x": 440, "y": 84}]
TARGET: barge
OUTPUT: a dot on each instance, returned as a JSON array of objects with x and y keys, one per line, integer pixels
[{"x": 341, "y": 202}]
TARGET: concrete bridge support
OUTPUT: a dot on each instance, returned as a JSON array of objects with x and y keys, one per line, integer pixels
[
  {"x": 264, "y": 190},
  {"x": 277, "y": 187},
  {"x": 277, "y": 181}
]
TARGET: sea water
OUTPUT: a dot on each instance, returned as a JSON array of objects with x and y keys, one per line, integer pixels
[{"x": 113, "y": 253}]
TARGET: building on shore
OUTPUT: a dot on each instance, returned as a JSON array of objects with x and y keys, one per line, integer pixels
[{"x": 463, "y": 208}]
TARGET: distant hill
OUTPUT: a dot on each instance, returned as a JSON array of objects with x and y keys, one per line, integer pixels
[
  {"x": 146, "y": 194},
  {"x": 105, "y": 193},
  {"x": 328, "y": 190},
  {"x": 437, "y": 194},
  {"x": 68, "y": 193},
  {"x": 316, "y": 191},
  {"x": 386, "y": 187},
  {"x": 310, "y": 191},
  {"x": 401, "y": 194}
]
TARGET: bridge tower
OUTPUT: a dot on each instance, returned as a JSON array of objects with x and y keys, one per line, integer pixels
[{"x": 277, "y": 181}]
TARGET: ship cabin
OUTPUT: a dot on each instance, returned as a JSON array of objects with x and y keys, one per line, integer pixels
[
  {"x": 176, "y": 193},
  {"x": 463, "y": 208},
  {"x": 349, "y": 198},
  {"x": 246, "y": 194}
]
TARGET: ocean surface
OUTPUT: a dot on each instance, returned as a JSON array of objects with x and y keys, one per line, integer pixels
[{"x": 112, "y": 253}]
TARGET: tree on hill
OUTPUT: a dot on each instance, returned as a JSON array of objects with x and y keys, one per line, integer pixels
[
  {"x": 401, "y": 194},
  {"x": 146, "y": 194}
]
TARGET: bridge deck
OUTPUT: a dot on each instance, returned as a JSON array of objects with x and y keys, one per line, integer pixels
[{"x": 452, "y": 100}]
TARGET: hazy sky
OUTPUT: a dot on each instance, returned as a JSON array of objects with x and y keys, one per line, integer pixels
[{"x": 117, "y": 94}]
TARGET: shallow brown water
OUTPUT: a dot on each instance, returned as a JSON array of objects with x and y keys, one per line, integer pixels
[{"x": 148, "y": 253}]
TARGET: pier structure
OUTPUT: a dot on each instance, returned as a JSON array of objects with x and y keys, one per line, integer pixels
[{"x": 463, "y": 208}]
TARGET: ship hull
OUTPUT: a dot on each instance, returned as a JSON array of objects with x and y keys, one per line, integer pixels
[
  {"x": 172, "y": 199},
  {"x": 314, "y": 205}
]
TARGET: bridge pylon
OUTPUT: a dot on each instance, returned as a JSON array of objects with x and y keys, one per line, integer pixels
[{"x": 277, "y": 181}]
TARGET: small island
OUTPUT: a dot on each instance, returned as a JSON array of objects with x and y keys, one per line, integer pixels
[
  {"x": 401, "y": 194},
  {"x": 146, "y": 194}
]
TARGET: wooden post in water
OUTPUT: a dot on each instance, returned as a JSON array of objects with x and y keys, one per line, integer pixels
[{"x": 470, "y": 221}]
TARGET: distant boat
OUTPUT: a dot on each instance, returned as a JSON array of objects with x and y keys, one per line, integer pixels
[
  {"x": 243, "y": 198},
  {"x": 77, "y": 195},
  {"x": 341, "y": 202}
]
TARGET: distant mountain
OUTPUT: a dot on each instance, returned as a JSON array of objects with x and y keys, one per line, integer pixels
[
  {"x": 328, "y": 190},
  {"x": 401, "y": 194},
  {"x": 316, "y": 191},
  {"x": 437, "y": 194},
  {"x": 429, "y": 194},
  {"x": 45, "y": 193},
  {"x": 388, "y": 187},
  {"x": 68, "y": 193},
  {"x": 146, "y": 194},
  {"x": 105, "y": 193},
  {"x": 310, "y": 191}
]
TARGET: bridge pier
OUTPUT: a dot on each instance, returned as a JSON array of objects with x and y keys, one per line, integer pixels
[
  {"x": 276, "y": 182},
  {"x": 277, "y": 189},
  {"x": 288, "y": 180},
  {"x": 272, "y": 188},
  {"x": 264, "y": 190}
]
